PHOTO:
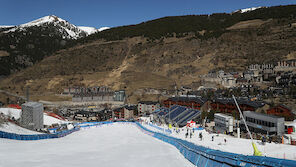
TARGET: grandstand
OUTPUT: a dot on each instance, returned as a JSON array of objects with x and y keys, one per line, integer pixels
[{"x": 176, "y": 115}]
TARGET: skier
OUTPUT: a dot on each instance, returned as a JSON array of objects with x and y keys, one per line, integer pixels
[
  {"x": 225, "y": 140},
  {"x": 186, "y": 134}
]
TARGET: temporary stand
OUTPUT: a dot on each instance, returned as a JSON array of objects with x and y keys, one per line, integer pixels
[{"x": 256, "y": 151}]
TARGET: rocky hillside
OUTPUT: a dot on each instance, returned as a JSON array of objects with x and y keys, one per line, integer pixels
[{"x": 165, "y": 52}]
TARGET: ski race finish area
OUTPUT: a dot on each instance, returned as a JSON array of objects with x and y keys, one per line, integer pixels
[
  {"x": 124, "y": 144},
  {"x": 113, "y": 145}
]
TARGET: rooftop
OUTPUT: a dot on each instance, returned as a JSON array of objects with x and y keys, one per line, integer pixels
[
  {"x": 32, "y": 104},
  {"x": 262, "y": 114},
  {"x": 255, "y": 104},
  {"x": 148, "y": 102},
  {"x": 188, "y": 99}
]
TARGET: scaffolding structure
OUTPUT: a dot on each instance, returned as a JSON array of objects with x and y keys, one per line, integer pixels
[{"x": 32, "y": 115}]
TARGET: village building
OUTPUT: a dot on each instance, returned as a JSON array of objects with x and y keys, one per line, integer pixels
[
  {"x": 227, "y": 105},
  {"x": 264, "y": 123},
  {"x": 125, "y": 112},
  {"x": 87, "y": 116},
  {"x": 223, "y": 123},
  {"x": 282, "y": 111},
  {"x": 129, "y": 112},
  {"x": 147, "y": 107},
  {"x": 288, "y": 65}
]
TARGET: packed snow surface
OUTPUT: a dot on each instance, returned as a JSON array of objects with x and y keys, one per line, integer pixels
[
  {"x": 106, "y": 146},
  {"x": 12, "y": 128},
  {"x": 16, "y": 113},
  {"x": 233, "y": 145},
  {"x": 11, "y": 112}
]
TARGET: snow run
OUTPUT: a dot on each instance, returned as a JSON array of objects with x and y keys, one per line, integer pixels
[{"x": 110, "y": 145}]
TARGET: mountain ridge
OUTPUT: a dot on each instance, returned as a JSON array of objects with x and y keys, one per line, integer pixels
[
  {"x": 74, "y": 34},
  {"x": 28, "y": 43},
  {"x": 156, "y": 54}
]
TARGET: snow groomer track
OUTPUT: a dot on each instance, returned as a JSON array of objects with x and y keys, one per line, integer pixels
[{"x": 121, "y": 144}]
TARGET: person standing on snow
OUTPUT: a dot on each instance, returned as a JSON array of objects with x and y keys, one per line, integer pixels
[
  {"x": 213, "y": 138},
  {"x": 200, "y": 136},
  {"x": 225, "y": 140}
]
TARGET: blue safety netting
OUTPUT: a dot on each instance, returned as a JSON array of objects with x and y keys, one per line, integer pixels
[
  {"x": 160, "y": 128},
  {"x": 59, "y": 134},
  {"x": 91, "y": 124},
  {"x": 37, "y": 136},
  {"x": 206, "y": 157}
]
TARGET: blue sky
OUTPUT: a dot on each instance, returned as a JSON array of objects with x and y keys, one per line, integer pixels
[{"x": 111, "y": 13}]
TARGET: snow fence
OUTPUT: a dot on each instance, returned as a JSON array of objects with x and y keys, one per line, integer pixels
[
  {"x": 60, "y": 134},
  {"x": 37, "y": 136},
  {"x": 159, "y": 128},
  {"x": 92, "y": 124},
  {"x": 206, "y": 157}
]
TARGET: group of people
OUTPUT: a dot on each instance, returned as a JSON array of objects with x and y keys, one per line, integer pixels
[
  {"x": 266, "y": 139},
  {"x": 189, "y": 132}
]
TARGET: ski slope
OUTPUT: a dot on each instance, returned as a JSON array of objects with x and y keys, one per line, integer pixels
[{"x": 106, "y": 146}]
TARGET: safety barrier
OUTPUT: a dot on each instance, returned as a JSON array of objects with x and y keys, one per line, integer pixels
[
  {"x": 198, "y": 155},
  {"x": 205, "y": 157},
  {"x": 59, "y": 134},
  {"x": 37, "y": 136},
  {"x": 159, "y": 128},
  {"x": 92, "y": 124}
]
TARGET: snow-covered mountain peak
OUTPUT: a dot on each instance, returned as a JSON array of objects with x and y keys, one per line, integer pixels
[
  {"x": 88, "y": 30},
  {"x": 66, "y": 29},
  {"x": 92, "y": 30},
  {"x": 248, "y": 9},
  {"x": 103, "y": 28},
  {"x": 42, "y": 20}
]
